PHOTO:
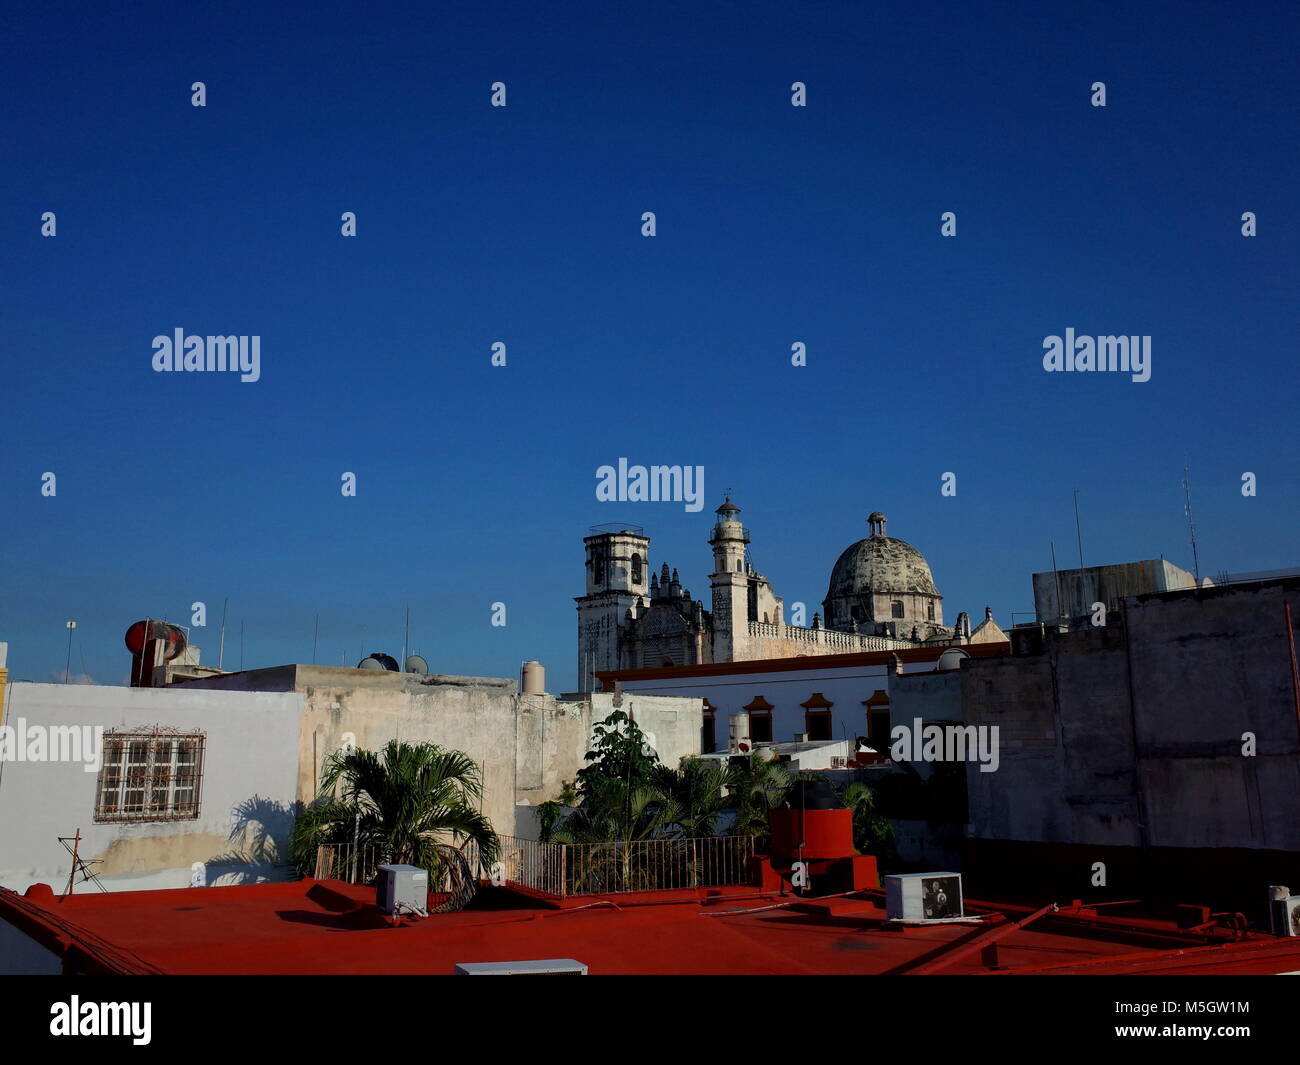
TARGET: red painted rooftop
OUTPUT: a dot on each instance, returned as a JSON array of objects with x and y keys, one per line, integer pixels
[{"x": 312, "y": 926}]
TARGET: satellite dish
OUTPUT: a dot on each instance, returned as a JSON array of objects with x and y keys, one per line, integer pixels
[
  {"x": 386, "y": 661},
  {"x": 416, "y": 664},
  {"x": 370, "y": 663}
]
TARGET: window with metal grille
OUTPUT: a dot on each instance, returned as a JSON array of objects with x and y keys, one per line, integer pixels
[{"x": 150, "y": 775}]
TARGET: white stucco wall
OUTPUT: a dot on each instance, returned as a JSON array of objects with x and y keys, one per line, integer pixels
[
  {"x": 250, "y": 757},
  {"x": 846, "y": 687}
]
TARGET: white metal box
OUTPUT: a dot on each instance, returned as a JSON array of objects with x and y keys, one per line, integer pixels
[
  {"x": 540, "y": 967},
  {"x": 402, "y": 889},
  {"x": 923, "y": 896}
]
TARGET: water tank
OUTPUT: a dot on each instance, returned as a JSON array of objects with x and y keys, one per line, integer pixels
[
  {"x": 142, "y": 632},
  {"x": 951, "y": 659},
  {"x": 534, "y": 678},
  {"x": 740, "y": 731}
]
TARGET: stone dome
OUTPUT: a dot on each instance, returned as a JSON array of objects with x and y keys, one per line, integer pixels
[{"x": 881, "y": 564}]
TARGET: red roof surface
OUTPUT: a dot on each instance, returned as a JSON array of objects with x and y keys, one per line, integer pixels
[{"x": 329, "y": 927}]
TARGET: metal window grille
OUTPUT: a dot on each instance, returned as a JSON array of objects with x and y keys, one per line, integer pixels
[{"x": 150, "y": 775}]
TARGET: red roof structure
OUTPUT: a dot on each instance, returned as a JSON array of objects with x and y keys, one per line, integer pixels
[{"x": 308, "y": 927}]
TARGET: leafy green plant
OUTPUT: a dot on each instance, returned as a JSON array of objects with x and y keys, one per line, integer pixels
[{"x": 401, "y": 801}]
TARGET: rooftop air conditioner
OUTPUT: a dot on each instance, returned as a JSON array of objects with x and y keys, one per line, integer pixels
[
  {"x": 923, "y": 896},
  {"x": 1291, "y": 921},
  {"x": 402, "y": 889},
  {"x": 543, "y": 967}
]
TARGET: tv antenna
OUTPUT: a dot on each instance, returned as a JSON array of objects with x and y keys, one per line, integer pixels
[
  {"x": 72, "y": 844},
  {"x": 1191, "y": 523}
]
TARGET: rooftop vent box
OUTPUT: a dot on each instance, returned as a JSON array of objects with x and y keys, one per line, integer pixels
[
  {"x": 544, "y": 967},
  {"x": 923, "y": 896},
  {"x": 1291, "y": 917},
  {"x": 402, "y": 889}
]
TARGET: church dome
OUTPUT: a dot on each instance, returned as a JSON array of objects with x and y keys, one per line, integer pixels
[{"x": 881, "y": 564}]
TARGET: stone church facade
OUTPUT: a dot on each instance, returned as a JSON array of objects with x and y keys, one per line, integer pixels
[{"x": 881, "y": 597}]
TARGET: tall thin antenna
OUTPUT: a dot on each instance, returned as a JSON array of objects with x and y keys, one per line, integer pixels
[
  {"x": 315, "y": 635},
  {"x": 1060, "y": 607},
  {"x": 221, "y": 647},
  {"x": 406, "y": 640},
  {"x": 241, "y": 645},
  {"x": 68, "y": 665},
  {"x": 1191, "y": 523},
  {"x": 1078, "y": 529}
]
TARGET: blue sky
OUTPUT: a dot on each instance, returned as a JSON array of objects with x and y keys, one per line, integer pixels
[{"x": 522, "y": 225}]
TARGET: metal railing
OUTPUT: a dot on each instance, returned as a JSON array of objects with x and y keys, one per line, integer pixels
[
  {"x": 563, "y": 869},
  {"x": 533, "y": 865},
  {"x": 351, "y": 863},
  {"x": 656, "y": 864}
]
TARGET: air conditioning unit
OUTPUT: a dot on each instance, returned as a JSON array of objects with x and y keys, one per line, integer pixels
[
  {"x": 1291, "y": 918},
  {"x": 544, "y": 967},
  {"x": 923, "y": 896},
  {"x": 403, "y": 889}
]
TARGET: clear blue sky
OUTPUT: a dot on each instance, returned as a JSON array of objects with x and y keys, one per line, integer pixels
[{"x": 522, "y": 225}]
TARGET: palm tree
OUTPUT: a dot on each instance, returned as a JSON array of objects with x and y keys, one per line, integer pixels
[
  {"x": 757, "y": 786},
  {"x": 872, "y": 833},
  {"x": 403, "y": 801},
  {"x": 697, "y": 793},
  {"x": 610, "y": 817}
]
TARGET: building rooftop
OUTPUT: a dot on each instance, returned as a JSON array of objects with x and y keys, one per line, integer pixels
[
  {"x": 854, "y": 659},
  {"x": 329, "y": 927}
]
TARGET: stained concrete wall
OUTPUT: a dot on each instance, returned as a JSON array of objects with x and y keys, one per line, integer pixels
[
  {"x": 1132, "y": 735},
  {"x": 248, "y": 766},
  {"x": 268, "y": 733},
  {"x": 1081, "y": 588},
  {"x": 527, "y": 746}
]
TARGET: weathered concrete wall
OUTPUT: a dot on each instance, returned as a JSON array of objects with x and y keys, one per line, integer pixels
[
  {"x": 248, "y": 766},
  {"x": 1132, "y": 735},
  {"x": 932, "y": 697},
  {"x": 526, "y": 746},
  {"x": 1081, "y": 588},
  {"x": 264, "y": 752}
]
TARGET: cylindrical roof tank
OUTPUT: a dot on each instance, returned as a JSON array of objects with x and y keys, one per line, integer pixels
[
  {"x": 139, "y": 635},
  {"x": 739, "y": 726},
  {"x": 824, "y": 833},
  {"x": 534, "y": 678}
]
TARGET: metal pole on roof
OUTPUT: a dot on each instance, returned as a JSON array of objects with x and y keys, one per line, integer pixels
[
  {"x": 221, "y": 647},
  {"x": 68, "y": 665},
  {"x": 1078, "y": 529}
]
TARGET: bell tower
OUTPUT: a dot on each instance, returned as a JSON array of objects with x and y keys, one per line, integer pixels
[
  {"x": 618, "y": 575},
  {"x": 730, "y": 584}
]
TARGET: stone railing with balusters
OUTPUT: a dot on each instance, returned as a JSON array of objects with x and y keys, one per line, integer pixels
[{"x": 846, "y": 641}]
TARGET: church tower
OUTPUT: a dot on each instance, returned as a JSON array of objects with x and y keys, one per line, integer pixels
[
  {"x": 730, "y": 583},
  {"x": 618, "y": 574}
]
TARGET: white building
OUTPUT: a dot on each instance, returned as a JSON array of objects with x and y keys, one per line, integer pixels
[
  {"x": 202, "y": 779},
  {"x": 828, "y": 697}
]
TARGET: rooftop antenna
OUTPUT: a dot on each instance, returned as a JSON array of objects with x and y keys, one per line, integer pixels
[
  {"x": 406, "y": 640},
  {"x": 68, "y": 665},
  {"x": 315, "y": 635},
  {"x": 221, "y": 647},
  {"x": 1078, "y": 529},
  {"x": 241, "y": 645},
  {"x": 1191, "y": 524},
  {"x": 1060, "y": 606}
]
